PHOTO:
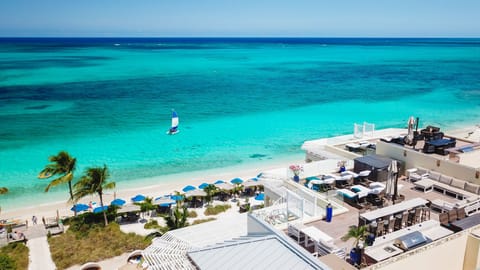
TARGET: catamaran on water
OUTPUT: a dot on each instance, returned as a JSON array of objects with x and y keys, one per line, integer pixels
[{"x": 174, "y": 129}]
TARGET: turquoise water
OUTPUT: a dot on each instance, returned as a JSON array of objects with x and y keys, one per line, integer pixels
[{"x": 240, "y": 101}]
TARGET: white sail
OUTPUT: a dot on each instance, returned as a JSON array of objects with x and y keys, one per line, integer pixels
[{"x": 174, "y": 128}]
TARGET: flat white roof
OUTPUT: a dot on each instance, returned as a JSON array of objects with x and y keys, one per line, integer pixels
[{"x": 268, "y": 252}]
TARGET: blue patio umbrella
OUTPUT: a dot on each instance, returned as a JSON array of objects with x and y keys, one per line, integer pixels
[
  {"x": 100, "y": 209},
  {"x": 219, "y": 182},
  {"x": 254, "y": 179},
  {"x": 203, "y": 185},
  {"x": 236, "y": 181},
  {"x": 259, "y": 175},
  {"x": 167, "y": 204},
  {"x": 188, "y": 188},
  {"x": 79, "y": 207},
  {"x": 118, "y": 202},
  {"x": 138, "y": 198},
  {"x": 176, "y": 197},
  {"x": 260, "y": 197}
]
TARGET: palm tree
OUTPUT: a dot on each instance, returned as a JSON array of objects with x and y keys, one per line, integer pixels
[
  {"x": 210, "y": 190},
  {"x": 62, "y": 165},
  {"x": 178, "y": 219},
  {"x": 94, "y": 181},
  {"x": 358, "y": 233}
]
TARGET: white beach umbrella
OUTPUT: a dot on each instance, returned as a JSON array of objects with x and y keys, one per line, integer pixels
[
  {"x": 196, "y": 193},
  {"x": 410, "y": 136},
  {"x": 225, "y": 186}
]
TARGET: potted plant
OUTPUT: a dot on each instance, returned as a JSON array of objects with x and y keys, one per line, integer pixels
[
  {"x": 359, "y": 233},
  {"x": 296, "y": 169}
]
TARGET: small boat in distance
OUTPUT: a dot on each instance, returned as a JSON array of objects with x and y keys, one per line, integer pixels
[{"x": 174, "y": 129}]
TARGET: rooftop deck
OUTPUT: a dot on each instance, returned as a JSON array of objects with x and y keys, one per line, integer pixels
[{"x": 340, "y": 224}]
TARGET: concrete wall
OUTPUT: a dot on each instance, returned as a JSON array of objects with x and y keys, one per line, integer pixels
[{"x": 414, "y": 159}]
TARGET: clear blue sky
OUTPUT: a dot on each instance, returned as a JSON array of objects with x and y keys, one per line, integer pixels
[{"x": 334, "y": 18}]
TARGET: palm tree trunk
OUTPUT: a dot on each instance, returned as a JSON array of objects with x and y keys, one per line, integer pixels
[
  {"x": 71, "y": 196},
  {"x": 104, "y": 212}
]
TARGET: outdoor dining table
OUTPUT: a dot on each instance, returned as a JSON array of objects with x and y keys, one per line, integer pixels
[
  {"x": 315, "y": 235},
  {"x": 368, "y": 217}
]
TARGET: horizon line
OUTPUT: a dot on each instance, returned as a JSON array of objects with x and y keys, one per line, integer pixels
[{"x": 245, "y": 37}]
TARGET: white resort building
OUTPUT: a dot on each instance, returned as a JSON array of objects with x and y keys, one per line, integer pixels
[{"x": 417, "y": 201}]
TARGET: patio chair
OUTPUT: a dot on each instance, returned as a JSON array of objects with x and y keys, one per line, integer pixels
[
  {"x": 391, "y": 224},
  {"x": 443, "y": 218},
  {"x": 380, "y": 228},
  {"x": 425, "y": 214},
  {"x": 417, "y": 215},
  {"x": 461, "y": 213},
  {"x": 403, "y": 221},
  {"x": 452, "y": 215}
]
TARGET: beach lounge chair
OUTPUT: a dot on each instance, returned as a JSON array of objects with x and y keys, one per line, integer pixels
[{"x": 348, "y": 196}]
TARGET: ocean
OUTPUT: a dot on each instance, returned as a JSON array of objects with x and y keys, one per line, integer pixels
[{"x": 241, "y": 101}]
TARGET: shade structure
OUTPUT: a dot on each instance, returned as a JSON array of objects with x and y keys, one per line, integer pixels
[
  {"x": 203, "y": 185},
  {"x": 196, "y": 193},
  {"x": 100, "y": 209},
  {"x": 254, "y": 179},
  {"x": 251, "y": 183},
  {"x": 219, "y": 182},
  {"x": 138, "y": 198},
  {"x": 260, "y": 197},
  {"x": 188, "y": 188},
  {"x": 129, "y": 208},
  {"x": 79, "y": 207},
  {"x": 236, "y": 181},
  {"x": 164, "y": 201},
  {"x": 225, "y": 186},
  {"x": 118, "y": 202}
]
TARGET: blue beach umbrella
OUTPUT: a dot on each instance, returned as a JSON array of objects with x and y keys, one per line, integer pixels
[
  {"x": 254, "y": 179},
  {"x": 176, "y": 197},
  {"x": 188, "y": 188},
  {"x": 100, "y": 209},
  {"x": 79, "y": 207},
  {"x": 260, "y": 197},
  {"x": 118, "y": 202},
  {"x": 236, "y": 181},
  {"x": 138, "y": 198},
  {"x": 167, "y": 204},
  {"x": 219, "y": 182},
  {"x": 203, "y": 185},
  {"x": 259, "y": 175}
]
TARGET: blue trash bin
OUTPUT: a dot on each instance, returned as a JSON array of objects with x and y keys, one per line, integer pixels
[{"x": 328, "y": 218}]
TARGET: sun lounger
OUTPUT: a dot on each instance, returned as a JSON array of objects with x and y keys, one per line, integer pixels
[
  {"x": 348, "y": 196},
  {"x": 361, "y": 191}
]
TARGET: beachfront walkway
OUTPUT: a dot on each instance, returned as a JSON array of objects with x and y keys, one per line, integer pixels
[{"x": 39, "y": 251}]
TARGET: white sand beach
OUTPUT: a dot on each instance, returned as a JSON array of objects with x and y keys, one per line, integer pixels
[{"x": 166, "y": 185}]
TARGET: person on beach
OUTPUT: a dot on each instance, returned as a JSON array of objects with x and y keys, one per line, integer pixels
[
  {"x": 43, "y": 221},
  {"x": 34, "y": 220}
]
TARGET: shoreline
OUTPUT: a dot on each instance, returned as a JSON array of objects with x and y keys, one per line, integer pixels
[{"x": 167, "y": 184}]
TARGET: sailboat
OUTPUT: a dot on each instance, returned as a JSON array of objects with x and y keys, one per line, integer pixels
[{"x": 174, "y": 129}]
